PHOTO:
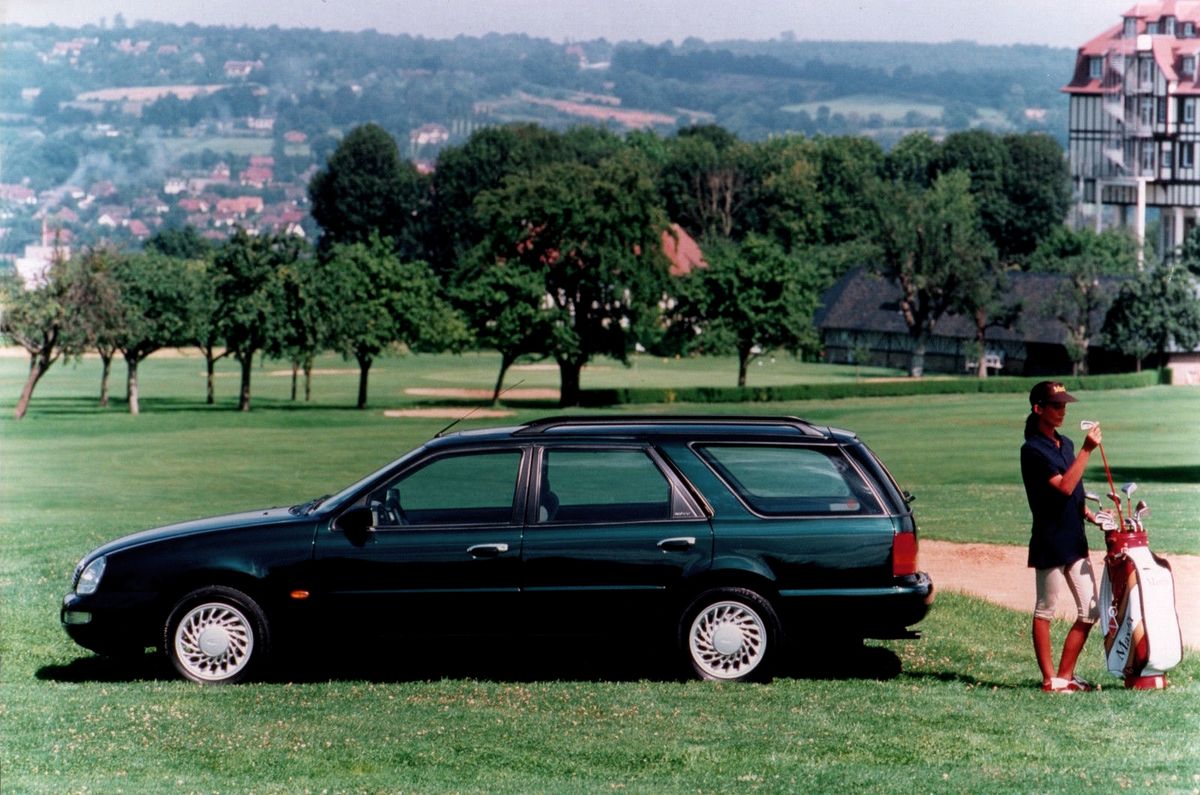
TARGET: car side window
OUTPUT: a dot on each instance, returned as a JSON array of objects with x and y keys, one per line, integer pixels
[
  {"x": 468, "y": 488},
  {"x": 789, "y": 480},
  {"x": 601, "y": 486}
]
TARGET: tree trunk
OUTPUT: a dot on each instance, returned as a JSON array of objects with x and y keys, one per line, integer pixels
[
  {"x": 744, "y": 358},
  {"x": 210, "y": 364},
  {"x": 568, "y": 391},
  {"x": 38, "y": 365},
  {"x": 308, "y": 368},
  {"x": 981, "y": 342},
  {"x": 916, "y": 367},
  {"x": 506, "y": 362},
  {"x": 105, "y": 370},
  {"x": 295, "y": 378},
  {"x": 131, "y": 385},
  {"x": 364, "y": 368},
  {"x": 247, "y": 362}
]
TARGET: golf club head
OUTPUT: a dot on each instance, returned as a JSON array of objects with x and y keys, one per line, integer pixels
[
  {"x": 1091, "y": 496},
  {"x": 1116, "y": 498},
  {"x": 1141, "y": 510},
  {"x": 1087, "y": 425},
  {"x": 1128, "y": 489}
]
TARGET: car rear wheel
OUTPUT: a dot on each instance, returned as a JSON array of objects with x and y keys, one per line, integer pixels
[
  {"x": 730, "y": 634},
  {"x": 216, "y": 635}
]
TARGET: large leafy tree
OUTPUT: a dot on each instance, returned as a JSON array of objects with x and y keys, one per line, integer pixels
[
  {"x": 708, "y": 182},
  {"x": 1080, "y": 304},
  {"x": 204, "y": 330},
  {"x": 751, "y": 298},
  {"x": 931, "y": 245},
  {"x": 1037, "y": 186},
  {"x": 505, "y": 306},
  {"x": 155, "y": 293},
  {"x": 249, "y": 297},
  {"x": 1153, "y": 311},
  {"x": 377, "y": 301},
  {"x": 595, "y": 236},
  {"x": 366, "y": 188},
  {"x": 306, "y": 318},
  {"x": 39, "y": 319},
  {"x": 481, "y": 164},
  {"x": 97, "y": 311}
]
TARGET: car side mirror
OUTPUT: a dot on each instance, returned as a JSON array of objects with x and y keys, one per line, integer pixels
[{"x": 357, "y": 524}]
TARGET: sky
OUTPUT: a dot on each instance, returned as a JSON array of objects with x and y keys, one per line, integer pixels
[{"x": 1057, "y": 23}]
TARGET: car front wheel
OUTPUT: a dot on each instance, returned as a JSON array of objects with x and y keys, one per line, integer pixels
[
  {"x": 216, "y": 635},
  {"x": 730, "y": 634}
]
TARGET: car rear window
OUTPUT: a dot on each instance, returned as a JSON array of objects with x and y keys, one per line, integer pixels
[{"x": 790, "y": 480}]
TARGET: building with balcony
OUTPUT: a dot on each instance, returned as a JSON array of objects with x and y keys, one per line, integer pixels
[{"x": 1133, "y": 122}]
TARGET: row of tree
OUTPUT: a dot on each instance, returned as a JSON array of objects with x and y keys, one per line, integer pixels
[{"x": 551, "y": 245}]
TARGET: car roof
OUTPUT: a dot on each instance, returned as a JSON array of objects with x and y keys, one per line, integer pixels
[{"x": 644, "y": 426}]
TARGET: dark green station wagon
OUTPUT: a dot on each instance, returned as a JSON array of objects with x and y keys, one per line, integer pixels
[{"x": 727, "y": 535}]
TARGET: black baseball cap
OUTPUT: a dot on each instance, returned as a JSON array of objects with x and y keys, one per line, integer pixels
[{"x": 1045, "y": 392}]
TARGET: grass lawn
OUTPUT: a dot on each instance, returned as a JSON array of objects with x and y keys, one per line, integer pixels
[{"x": 957, "y": 711}]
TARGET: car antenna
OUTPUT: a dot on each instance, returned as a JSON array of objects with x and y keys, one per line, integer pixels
[{"x": 472, "y": 411}]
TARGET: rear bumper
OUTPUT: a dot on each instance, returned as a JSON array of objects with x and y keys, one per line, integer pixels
[{"x": 882, "y": 613}]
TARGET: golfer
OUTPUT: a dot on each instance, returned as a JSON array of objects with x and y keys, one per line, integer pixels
[{"x": 1058, "y": 549}]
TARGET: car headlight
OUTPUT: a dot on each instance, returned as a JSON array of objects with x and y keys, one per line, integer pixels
[{"x": 89, "y": 578}]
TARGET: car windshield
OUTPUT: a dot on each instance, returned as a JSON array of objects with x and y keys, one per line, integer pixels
[{"x": 335, "y": 501}]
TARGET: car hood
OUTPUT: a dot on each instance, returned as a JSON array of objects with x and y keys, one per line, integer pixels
[{"x": 234, "y": 521}]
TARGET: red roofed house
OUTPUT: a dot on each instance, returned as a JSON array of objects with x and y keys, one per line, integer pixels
[{"x": 1133, "y": 121}]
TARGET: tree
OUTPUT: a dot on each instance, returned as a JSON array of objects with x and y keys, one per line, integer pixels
[
  {"x": 366, "y": 188},
  {"x": 595, "y": 235},
  {"x": 249, "y": 297},
  {"x": 94, "y": 299},
  {"x": 1112, "y": 252},
  {"x": 204, "y": 330},
  {"x": 1037, "y": 186},
  {"x": 379, "y": 301},
  {"x": 183, "y": 243},
  {"x": 751, "y": 298},
  {"x": 847, "y": 170},
  {"x": 1153, "y": 311},
  {"x": 305, "y": 327},
  {"x": 1080, "y": 304},
  {"x": 39, "y": 320},
  {"x": 707, "y": 182},
  {"x": 504, "y": 307},
  {"x": 481, "y": 164},
  {"x": 931, "y": 245},
  {"x": 155, "y": 302}
]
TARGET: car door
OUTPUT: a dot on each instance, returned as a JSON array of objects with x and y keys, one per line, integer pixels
[
  {"x": 442, "y": 555},
  {"x": 610, "y": 529}
]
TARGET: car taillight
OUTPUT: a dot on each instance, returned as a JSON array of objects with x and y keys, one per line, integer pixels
[{"x": 904, "y": 554}]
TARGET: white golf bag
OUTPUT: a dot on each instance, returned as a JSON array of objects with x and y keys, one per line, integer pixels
[{"x": 1142, "y": 639}]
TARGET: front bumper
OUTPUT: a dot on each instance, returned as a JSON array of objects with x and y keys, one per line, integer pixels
[{"x": 109, "y": 624}]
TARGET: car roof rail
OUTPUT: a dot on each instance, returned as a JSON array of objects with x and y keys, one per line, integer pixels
[{"x": 600, "y": 420}]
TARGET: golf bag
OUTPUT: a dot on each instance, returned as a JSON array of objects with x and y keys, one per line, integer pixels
[{"x": 1142, "y": 639}]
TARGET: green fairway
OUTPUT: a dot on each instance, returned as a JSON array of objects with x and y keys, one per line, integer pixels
[{"x": 958, "y": 711}]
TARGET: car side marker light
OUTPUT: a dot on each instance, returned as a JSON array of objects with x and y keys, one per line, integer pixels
[{"x": 299, "y": 595}]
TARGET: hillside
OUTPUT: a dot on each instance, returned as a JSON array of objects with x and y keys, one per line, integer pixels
[{"x": 111, "y": 117}]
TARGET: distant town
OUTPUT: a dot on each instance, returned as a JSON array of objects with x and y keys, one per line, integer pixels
[{"x": 111, "y": 134}]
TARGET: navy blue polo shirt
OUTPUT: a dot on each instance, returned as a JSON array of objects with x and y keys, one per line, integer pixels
[{"x": 1057, "y": 537}]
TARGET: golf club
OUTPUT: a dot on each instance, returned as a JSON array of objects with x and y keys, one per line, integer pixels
[
  {"x": 1087, "y": 425},
  {"x": 1128, "y": 489}
]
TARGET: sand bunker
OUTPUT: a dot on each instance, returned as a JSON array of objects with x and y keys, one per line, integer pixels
[
  {"x": 448, "y": 413},
  {"x": 482, "y": 394}
]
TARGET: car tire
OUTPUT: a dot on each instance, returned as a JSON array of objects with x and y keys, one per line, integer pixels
[
  {"x": 730, "y": 635},
  {"x": 216, "y": 635}
]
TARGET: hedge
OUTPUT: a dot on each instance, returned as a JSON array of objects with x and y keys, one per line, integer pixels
[{"x": 836, "y": 391}]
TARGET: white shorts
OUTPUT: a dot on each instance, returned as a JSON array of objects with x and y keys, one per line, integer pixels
[{"x": 1079, "y": 579}]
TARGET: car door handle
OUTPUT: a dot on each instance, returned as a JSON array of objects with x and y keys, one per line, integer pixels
[
  {"x": 487, "y": 550},
  {"x": 677, "y": 544}
]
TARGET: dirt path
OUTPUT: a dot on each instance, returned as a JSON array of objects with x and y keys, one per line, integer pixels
[{"x": 998, "y": 573}]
